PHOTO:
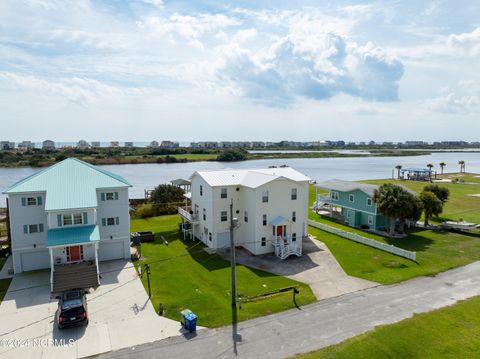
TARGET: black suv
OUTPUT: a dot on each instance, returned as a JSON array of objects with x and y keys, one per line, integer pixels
[{"x": 72, "y": 308}]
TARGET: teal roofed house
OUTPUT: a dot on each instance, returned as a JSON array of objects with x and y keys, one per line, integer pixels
[
  {"x": 352, "y": 202},
  {"x": 69, "y": 217}
]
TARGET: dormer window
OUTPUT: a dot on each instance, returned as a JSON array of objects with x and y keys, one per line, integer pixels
[
  {"x": 31, "y": 201},
  {"x": 109, "y": 196},
  {"x": 223, "y": 193},
  {"x": 265, "y": 196}
]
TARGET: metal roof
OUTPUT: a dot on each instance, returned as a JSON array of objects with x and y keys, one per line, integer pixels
[
  {"x": 72, "y": 235},
  {"x": 70, "y": 184},
  {"x": 412, "y": 169},
  {"x": 347, "y": 186},
  {"x": 279, "y": 220},
  {"x": 250, "y": 177}
]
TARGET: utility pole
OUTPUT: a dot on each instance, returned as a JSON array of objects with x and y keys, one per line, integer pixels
[{"x": 232, "y": 257}]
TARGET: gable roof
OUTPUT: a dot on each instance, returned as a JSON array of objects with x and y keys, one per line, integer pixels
[
  {"x": 250, "y": 177},
  {"x": 347, "y": 186},
  {"x": 70, "y": 184}
]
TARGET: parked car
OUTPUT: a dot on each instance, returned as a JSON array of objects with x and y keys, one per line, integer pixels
[
  {"x": 142, "y": 236},
  {"x": 72, "y": 308}
]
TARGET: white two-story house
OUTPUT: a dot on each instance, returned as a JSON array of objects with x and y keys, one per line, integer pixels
[
  {"x": 68, "y": 217},
  {"x": 270, "y": 204}
]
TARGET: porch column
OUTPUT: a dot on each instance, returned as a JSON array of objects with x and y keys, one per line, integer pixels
[
  {"x": 52, "y": 268},
  {"x": 96, "y": 261}
]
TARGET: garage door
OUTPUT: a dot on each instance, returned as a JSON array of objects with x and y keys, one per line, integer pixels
[
  {"x": 111, "y": 250},
  {"x": 35, "y": 260},
  {"x": 223, "y": 240}
]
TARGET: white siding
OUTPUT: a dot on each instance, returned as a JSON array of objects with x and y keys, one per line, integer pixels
[{"x": 112, "y": 209}]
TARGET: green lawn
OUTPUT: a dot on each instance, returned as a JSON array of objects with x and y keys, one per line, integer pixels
[
  {"x": 451, "y": 332},
  {"x": 185, "y": 276},
  {"x": 460, "y": 205},
  {"x": 436, "y": 250}
]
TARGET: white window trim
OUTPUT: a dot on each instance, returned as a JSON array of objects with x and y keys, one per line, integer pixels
[
  {"x": 371, "y": 202},
  {"x": 370, "y": 219},
  {"x": 72, "y": 219},
  {"x": 34, "y": 201},
  {"x": 334, "y": 195},
  {"x": 351, "y": 198}
]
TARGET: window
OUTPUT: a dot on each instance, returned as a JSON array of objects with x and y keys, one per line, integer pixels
[
  {"x": 31, "y": 201},
  {"x": 110, "y": 221},
  {"x": 370, "y": 219},
  {"x": 210, "y": 237},
  {"x": 369, "y": 202},
  {"x": 77, "y": 218},
  {"x": 205, "y": 231},
  {"x": 109, "y": 196},
  {"x": 294, "y": 194},
  {"x": 334, "y": 195},
  {"x": 264, "y": 241},
  {"x": 264, "y": 219},
  {"x": 294, "y": 216},
  {"x": 351, "y": 198},
  {"x": 265, "y": 196},
  {"x": 201, "y": 190},
  {"x": 67, "y": 220},
  {"x": 204, "y": 214},
  {"x": 294, "y": 237},
  {"x": 245, "y": 216},
  {"x": 223, "y": 216},
  {"x": 223, "y": 193},
  {"x": 33, "y": 228}
]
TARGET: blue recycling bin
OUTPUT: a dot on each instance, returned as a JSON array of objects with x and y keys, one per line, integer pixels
[{"x": 189, "y": 320}]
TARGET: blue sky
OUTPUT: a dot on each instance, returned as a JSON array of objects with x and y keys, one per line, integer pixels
[{"x": 253, "y": 70}]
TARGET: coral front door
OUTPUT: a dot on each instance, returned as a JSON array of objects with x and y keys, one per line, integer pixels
[
  {"x": 279, "y": 231},
  {"x": 74, "y": 254}
]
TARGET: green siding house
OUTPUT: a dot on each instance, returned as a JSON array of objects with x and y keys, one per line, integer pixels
[{"x": 351, "y": 201}]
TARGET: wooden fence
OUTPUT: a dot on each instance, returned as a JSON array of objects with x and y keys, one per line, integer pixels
[{"x": 364, "y": 240}]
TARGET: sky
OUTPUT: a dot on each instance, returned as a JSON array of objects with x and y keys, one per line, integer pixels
[{"x": 247, "y": 70}]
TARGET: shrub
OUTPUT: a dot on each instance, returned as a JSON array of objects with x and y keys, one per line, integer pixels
[
  {"x": 145, "y": 211},
  {"x": 232, "y": 155}
]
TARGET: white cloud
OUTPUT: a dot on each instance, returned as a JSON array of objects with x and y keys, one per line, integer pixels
[
  {"x": 464, "y": 98},
  {"x": 157, "y": 3},
  {"x": 467, "y": 43}
]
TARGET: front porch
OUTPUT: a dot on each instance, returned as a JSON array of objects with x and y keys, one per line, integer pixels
[
  {"x": 285, "y": 242},
  {"x": 190, "y": 220},
  {"x": 73, "y": 258}
]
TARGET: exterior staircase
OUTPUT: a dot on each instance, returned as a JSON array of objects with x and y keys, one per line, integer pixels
[
  {"x": 285, "y": 247},
  {"x": 71, "y": 276}
]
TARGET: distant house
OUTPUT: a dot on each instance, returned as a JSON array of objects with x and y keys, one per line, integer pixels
[
  {"x": 26, "y": 145},
  {"x": 258, "y": 144},
  {"x": 7, "y": 145},
  {"x": 82, "y": 145},
  {"x": 68, "y": 217},
  {"x": 48, "y": 145},
  {"x": 129, "y": 144},
  {"x": 114, "y": 144},
  {"x": 351, "y": 201},
  {"x": 95, "y": 144},
  {"x": 270, "y": 205},
  {"x": 153, "y": 144}
]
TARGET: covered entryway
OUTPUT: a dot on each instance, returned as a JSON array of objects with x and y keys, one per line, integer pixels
[
  {"x": 285, "y": 245},
  {"x": 73, "y": 257}
]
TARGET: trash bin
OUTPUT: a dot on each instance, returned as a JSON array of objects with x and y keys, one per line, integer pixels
[{"x": 189, "y": 320}]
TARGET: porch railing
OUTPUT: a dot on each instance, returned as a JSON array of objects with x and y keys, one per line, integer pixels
[
  {"x": 286, "y": 246},
  {"x": 185, "y": 212}
]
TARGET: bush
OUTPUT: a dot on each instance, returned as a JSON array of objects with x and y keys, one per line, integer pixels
[
  {"x": 145, "y": 211},
  {"x": 232, "y": 155}
]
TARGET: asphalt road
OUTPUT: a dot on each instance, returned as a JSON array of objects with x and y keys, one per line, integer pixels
[{"x": 320, "y": 324}]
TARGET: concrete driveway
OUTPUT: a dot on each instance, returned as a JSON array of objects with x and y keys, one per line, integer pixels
[
  {"x": 120, "y": 316},
  {"x": 317, "y": 267}
]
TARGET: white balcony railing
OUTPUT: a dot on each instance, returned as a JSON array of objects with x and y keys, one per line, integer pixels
[{"x": 188, "y": 214}]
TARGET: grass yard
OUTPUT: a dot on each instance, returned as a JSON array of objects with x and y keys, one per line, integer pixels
[
  {"x": 183, "y": 275},
  {"x": 437, "y": 251},
  {"x": 451, "y": 332}
]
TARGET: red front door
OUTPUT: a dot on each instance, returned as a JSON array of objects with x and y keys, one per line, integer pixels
[
  {"x": 279, "y": 231},
  {"x": 74, "y": 253}
]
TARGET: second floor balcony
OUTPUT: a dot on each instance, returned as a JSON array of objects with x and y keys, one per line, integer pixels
[{"x": 188, "y": 214}]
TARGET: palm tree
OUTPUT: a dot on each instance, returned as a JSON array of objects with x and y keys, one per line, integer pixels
[
  {"x": 442, "y": 165},
  {"x": 462, "y": 166},
  {"x": 432, "y": 206},
  {"x": 398, "y": 168},
  {"x": 391, "y": 201},
  {"x": 430, "y": 166}
]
